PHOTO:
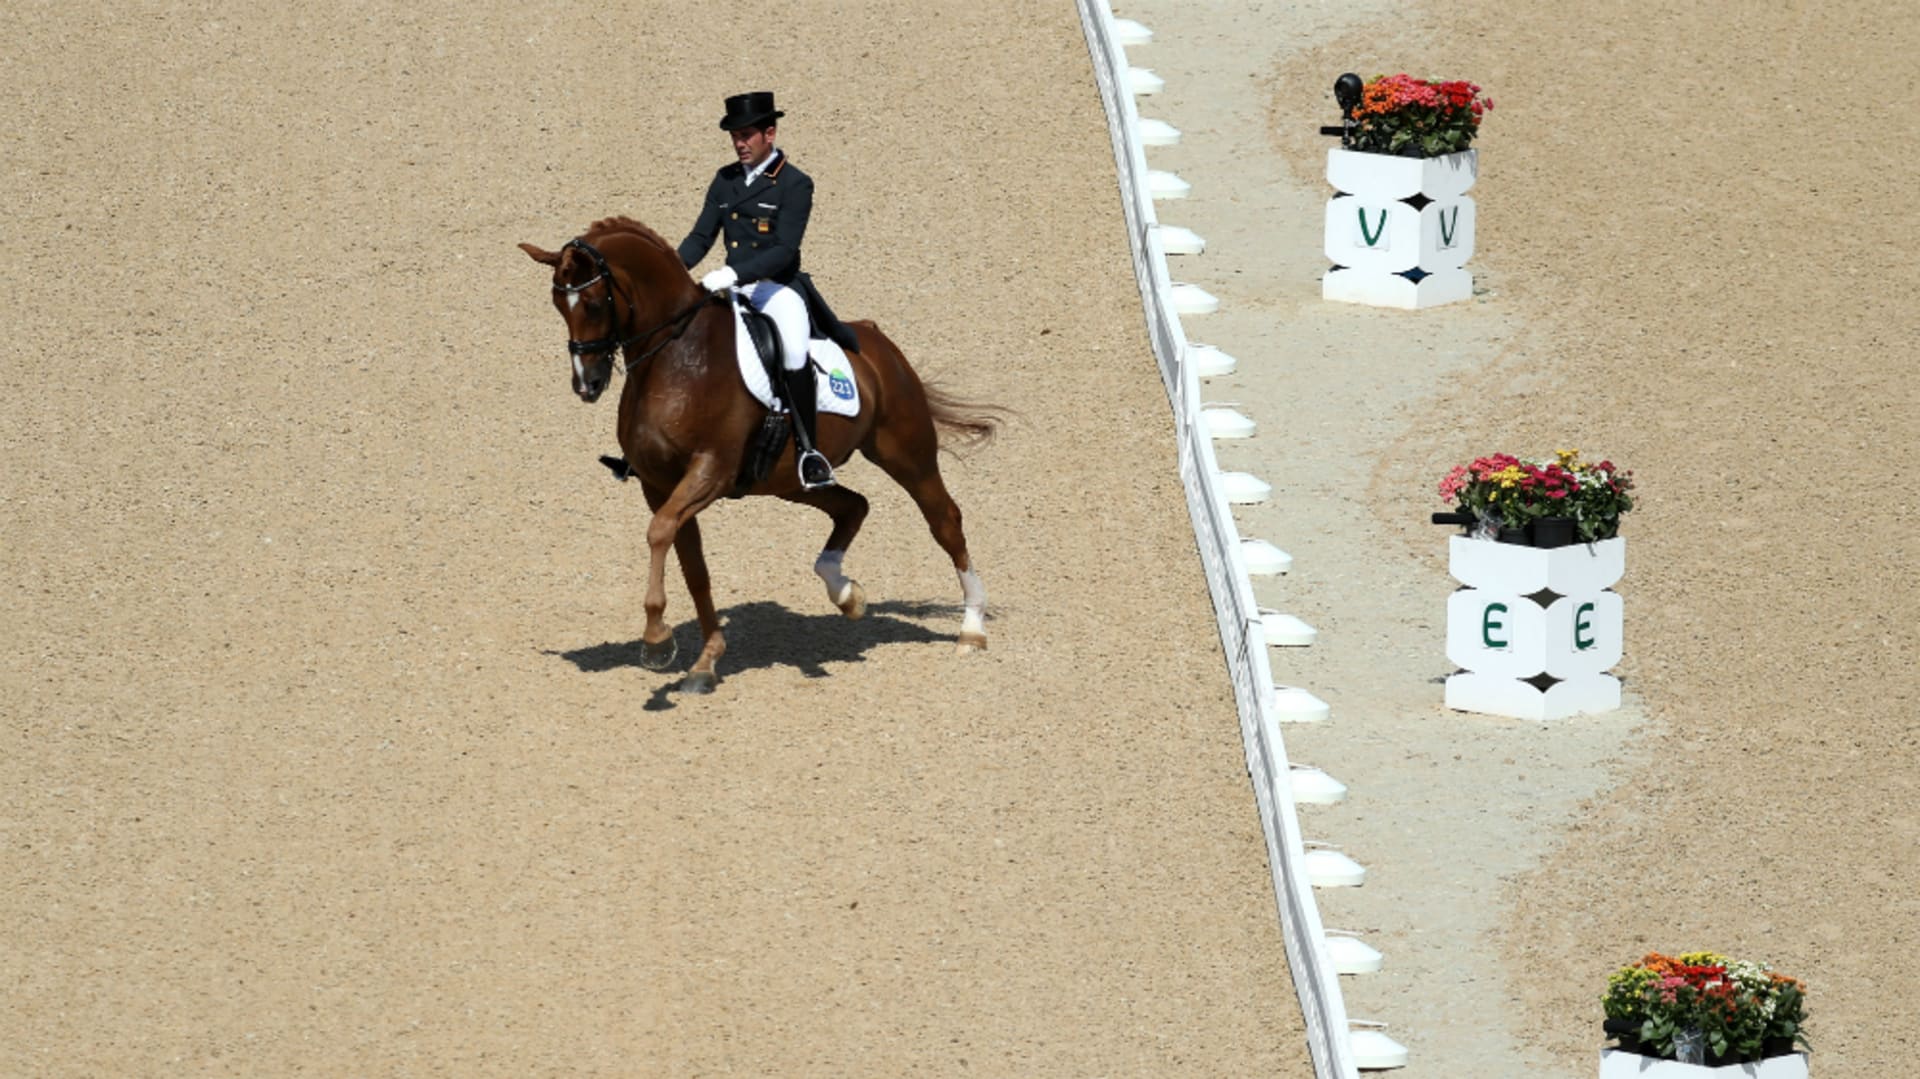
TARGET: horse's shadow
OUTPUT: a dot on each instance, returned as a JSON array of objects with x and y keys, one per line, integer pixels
[{"x": 764, "y": 634}]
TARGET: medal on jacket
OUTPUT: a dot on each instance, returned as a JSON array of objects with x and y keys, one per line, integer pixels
[{"x": 764, "y": 225}]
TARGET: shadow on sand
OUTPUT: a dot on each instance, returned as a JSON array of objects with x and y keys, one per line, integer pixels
[{"x": 765, "y": 634}]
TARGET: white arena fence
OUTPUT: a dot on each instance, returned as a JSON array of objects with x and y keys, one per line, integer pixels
[{"x": 1241, "y": 631}]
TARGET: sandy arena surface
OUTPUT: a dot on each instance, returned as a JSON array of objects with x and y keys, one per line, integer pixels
[
  {"x": 1690, "y": 260},
  {"x": 326, "y": 748},
  {"x": 327, "y": 751}
]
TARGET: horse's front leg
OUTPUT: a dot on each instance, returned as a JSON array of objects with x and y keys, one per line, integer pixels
[
  {"x": 696, "y": 491},
  {"x": 693, "y": 566}
]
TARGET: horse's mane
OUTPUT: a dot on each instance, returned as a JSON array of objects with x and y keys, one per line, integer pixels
[{"x": 608, "y": 226}]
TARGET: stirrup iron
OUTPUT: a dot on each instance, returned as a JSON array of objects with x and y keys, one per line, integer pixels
[{"x": 815, "y": 470}]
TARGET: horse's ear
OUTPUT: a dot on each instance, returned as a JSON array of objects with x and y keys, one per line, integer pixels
[{"x": 551, "y": 258}]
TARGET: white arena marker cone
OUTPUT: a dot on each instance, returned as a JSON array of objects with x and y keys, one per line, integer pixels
[
  {"x": 1158, "y": 133},
  {"x": 1291, "y": 704},
  {"x": 1128, "y": 32},
  {"x": 1175, "y": 240},
  {"x": 1373, "y": 1049},
  {"x": 1210, "y": 362},
  {"x": 1311, "y": 786},
  {"x": 1226, "y": 423},
  {"x": 1142, "y": 81},
  {"x": 1286, "y": 631},
  {"x": 1263, "y": 559},
  {"x": 1166, "y": 185},
  {"x": 1193, "y": 300},
  {"x": 1243, "y": 488},
  {"x": 1332, "y": 869},
  {"x": 1351, "y": 955}
]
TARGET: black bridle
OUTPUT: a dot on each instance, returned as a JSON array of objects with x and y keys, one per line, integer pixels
[{"x": 678, "y": 323}]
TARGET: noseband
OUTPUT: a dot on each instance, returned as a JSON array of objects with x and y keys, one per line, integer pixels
[{"x": 678, "y": 323}]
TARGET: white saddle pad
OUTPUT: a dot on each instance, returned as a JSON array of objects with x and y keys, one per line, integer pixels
[{"x": 833, "y": 383}]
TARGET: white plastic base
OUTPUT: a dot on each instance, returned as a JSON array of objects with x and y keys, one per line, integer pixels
[
  {"x": 1143, "y": 81},
  {"x": 1291, "y": 704},
  {"x": 1391, "y": 290},
  {"x": 1615, "y": 1064},
  {"x": 1332, "y": 869},
  {"x": 1243, "y": 488},
  {"x": 1158, "y": 133},
  {"x": 1226, "y": 423},
  {"x": 1129, "y": 32},
  {"x": 1175, "y": 240},
  {"x": 1263, "y": 559},
  {"x": 1166, "y": 185},
  {"x": 1286, "y": 631},
  {"x": 1373, "y": 1049},
  {"x": 1351, "y": 955},
  {"x": 1497, "y": 696},
  {"x": 1311, "y": 786},
  {"x": 1210, "y": 362},
  {"x": 1193, "y": 300}
]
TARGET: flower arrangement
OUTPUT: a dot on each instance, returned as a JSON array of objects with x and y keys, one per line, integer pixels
[
  {"x": 1409, "y": 117},
  {"x": 1705, "y": 1006},
  {"x": 1503, "y": 491}
]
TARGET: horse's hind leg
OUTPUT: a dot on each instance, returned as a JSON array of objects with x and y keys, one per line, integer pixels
[
  {"x": 916, "y": 467},
  {"x": 848, "y": 510}
]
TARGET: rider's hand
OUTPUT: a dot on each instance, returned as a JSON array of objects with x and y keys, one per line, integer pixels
[{"x": 720, "y": 280}]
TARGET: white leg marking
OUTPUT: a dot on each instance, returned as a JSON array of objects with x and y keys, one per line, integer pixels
[
  {"x": 827, "y": 567},
  {"x": 974, "y": 594}
]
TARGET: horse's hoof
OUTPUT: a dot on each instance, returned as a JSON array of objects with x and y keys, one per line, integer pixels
[
  {"x": 701, "y": 682},
  {"x": 659, "y": 656},
  {"x": 854, "y": 606},
  {"x": 970, "y": 643}
]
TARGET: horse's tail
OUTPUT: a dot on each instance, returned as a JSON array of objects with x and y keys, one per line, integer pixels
[{"x": 968, "y": 424}]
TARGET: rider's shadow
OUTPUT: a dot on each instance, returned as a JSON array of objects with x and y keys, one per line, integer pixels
[{"x": 764, "y": 634}]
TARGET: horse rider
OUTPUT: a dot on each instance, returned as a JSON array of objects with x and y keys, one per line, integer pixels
[{"x": 760, "y": 204}]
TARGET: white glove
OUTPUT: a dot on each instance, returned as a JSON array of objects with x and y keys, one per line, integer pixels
[{"x": 720, "y": 280}]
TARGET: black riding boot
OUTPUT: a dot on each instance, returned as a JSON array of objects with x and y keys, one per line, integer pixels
[{"x": 815, "y": 470}]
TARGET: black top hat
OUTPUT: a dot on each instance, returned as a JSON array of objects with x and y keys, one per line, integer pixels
[{"x": 750, "y": 110}]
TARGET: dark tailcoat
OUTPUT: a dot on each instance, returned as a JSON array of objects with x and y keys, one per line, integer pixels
[{"x": 762, "y": 224}]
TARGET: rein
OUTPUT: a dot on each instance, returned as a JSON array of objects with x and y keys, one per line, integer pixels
[{"x": 678, "y": 323}]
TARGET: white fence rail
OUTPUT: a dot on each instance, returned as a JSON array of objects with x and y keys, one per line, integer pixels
[{"x": 1241, "y": 633}]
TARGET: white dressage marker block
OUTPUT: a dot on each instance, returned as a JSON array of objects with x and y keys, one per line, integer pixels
[
  {"x": 1210, "y": 362},
  {"x": 1332, "y": 869},
  {"x": 1193, "y": 300},
  {"x": 1158, "y": 133},
  {"x": 1535, "y": 630},
  {"x": 1175, "y": 240},
  {"x": 1166, "y": 185},
  {"x": 1142, "y": 81},
  {"x": 1374, "y": 234},
  {"x": 1226, "y": 423},
  {"x": 1311, "y": 786},
  {"x": 1286, "y": 631},
  {"x": 1291, "y": 704},
  {"x": 1351, "y": 955},
  {"x": 1129, "y": 32},
  {"x": 1263, "y": 559}
]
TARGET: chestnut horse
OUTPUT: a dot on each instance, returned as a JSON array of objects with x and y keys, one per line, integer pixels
[{"x": 686, "y": 418}]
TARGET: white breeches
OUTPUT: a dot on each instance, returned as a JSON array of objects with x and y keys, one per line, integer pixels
[{"x": 789, "y": 314}]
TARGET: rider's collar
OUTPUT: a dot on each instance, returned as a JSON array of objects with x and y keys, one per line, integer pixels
[{"x": 764, "y": 167}]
